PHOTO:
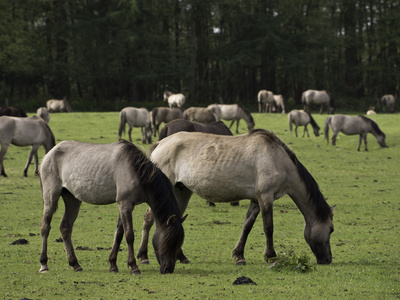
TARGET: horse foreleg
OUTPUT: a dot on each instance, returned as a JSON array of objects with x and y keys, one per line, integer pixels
[
  {"x": 125, "y": 211},
  {"x": 251, "y": 216},
  {"x": 362, "y": 137},
  {"x": 268, "y": 224},
  {"x": 321, "y": 109},
  {"x": 3, "y": 152},
  {"x": 33, "y": 153},
  {"x": 72, "y": 206},
  {"x": 305, "y": 131},
  {"x": 119, "y": 234},
  {"x": 143, "y": 135},
  {"x": 147, "y": 224}
]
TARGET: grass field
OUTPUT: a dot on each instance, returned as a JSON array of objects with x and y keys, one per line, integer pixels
[{"x": 365, "y": 244}]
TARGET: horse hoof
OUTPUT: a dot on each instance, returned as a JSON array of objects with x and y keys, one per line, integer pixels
[
  {"x": 44, "y": 270},
  {"x": 115, "y": 270},
  {"x": 145, "y": 261},
  {"x": 78, "y": 269},
  {"x": 136, "y": 272},
  {"x": 241, "y": 262}
]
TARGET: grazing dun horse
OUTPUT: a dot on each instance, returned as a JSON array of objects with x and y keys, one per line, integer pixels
[
  {"x": 354, "y": 125},
  {"x": 257, "y": 166},
  {"x": 319, "y": 98},
  {"x": 387, "y": 102},
  {"x": 136, "y": 117},
  {"x": 164, "y": 115},
  {"x": 265, "y": 99},
  {"x": 280, "y": 103},
  {"x": 58, "y": 105},
  {"x": 234, "y": 113},
  {"x": 43, "y": 113},
  {"x": 32, "y": 131},
  {"x": 103, "y": 174},
  {"x": 302, "y": 118},
  {"x": 200, "y": 114},
  {"x": 174, "y": 100}
]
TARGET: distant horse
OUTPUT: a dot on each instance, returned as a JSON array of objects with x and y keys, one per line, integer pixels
[
  {"x": 233, "y": 112},
  {"x": 265, "y": 99},
  {"x": 43, "y": 113},
  {"x": 174, "y": 100},
  {"x": 175, "y": 126},
  {"x": 103, "y": 174},
  {"x": 257, "y": 166},
  {"x": 136, "y": 117},
  {"x": 302, "y": 118},
  {"x": 200, "y": 114},
  {"x": 32, "y": 131},
  {"x": 164, "y": 115},
  {"x": 318, "y": 97},
  {"x": 387, "y": 102},
  {"x": 354, "y": 125},
  {"x": 280, "y": 103},
  {"x": 13, "y": 111},
  {"x": 58, "y": 106},
  {"x": 371, "y": 111}
]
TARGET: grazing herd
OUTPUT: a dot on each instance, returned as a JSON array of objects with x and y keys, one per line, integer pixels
[{"x": 256, "y": 165}]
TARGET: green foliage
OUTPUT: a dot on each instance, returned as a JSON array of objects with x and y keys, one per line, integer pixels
[{"x": 289, "y": 260}]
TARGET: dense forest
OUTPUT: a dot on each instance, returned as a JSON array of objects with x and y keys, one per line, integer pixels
[{"x": 106, "y": 54}]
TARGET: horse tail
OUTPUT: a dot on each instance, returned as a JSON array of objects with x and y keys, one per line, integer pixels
[
  {"x": 326, "y": 129},
  {"x": 154, "y": 116},
  {"x": 303, "y": 98},
  {"x": 122, "y": 123},
  {"x": 163, "y": 132},
  {"x": 290, "y": 123}
]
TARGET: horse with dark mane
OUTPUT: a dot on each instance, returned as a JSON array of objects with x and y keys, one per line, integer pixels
[
  {"x": 13, "y": 111},
  {"x": 354, "y": 125},
  {"x": 319, "y": 98},
  {"x": 234, "y": 113},
  {"x": 256, "y": 166},
  {"x": 302, "y": 118},
  {"x": 164, "y": 115},
  {"x": 32, "y": 131},
  {"x": 103, "y": 174}
]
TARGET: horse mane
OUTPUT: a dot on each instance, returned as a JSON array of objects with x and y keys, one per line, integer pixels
[
  {"x": 312, "y": 121},
  {"x": 374, "y": 126},
  {"x": 247, "y": 112},
  {"x": 49, "y": 131},
  {"x": 323, "y": 210},
  {"x": 331, "y": 100}
]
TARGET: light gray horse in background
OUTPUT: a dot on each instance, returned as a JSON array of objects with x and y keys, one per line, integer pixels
[
  {"x": 58, "y": 105},
  {"x": 164, "y": 115},
  {"x": 174, "y": 100},
  {"x": 44, "y": 114},
  {"x": 200, "y": 114},
  {"x": 234, "y": 113},
  {"x": 32, "y": 131},
  {"x": 266, "y": 99},
  {"x": 280, "y": 103},
  {"x": 302, "y": 118},
  {"x": 319, "y": 98},
  {"x": 354, "y": 125},
  {"x": 257, "y": 166},
  {"x": 387, "y": 102},
  {"x": 136, "y": 117}
]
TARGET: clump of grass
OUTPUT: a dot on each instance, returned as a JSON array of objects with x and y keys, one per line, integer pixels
[{"x": 288, "y": 260}]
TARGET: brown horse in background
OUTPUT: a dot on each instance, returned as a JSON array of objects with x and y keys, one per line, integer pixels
[{"x": 13, "y": 111}]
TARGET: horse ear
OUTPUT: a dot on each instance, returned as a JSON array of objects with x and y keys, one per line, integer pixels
[
  {"x": 183, "y": 219},
  {"x": 333, "y": 208},
  {"x": 171, "y": 220}
]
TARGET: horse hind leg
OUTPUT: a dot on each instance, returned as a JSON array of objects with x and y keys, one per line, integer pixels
[
  {"x": 72, "y": 206},
  {"x": 147, "y": 224},
  {"x": 32, "y": 154},
  {"x": 251, "y": 216},
  {"x": 3, "y": 152}
]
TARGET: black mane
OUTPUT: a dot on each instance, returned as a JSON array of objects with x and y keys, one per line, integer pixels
[
  {"x": 312, "y": 121},
  {"x": 323, "y": 210},
  {"x": 374, "y": 126}
]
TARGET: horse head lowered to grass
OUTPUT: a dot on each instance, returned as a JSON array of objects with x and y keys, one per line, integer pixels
[
  {"x": 256, "y": 166},
  {"x": 103, "y": 174}
]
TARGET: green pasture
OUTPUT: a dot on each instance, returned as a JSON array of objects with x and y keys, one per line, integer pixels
[{"x": 365, "y": 244}]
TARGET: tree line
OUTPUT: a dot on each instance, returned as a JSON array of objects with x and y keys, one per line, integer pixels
[{"x": 104, "y": 54}]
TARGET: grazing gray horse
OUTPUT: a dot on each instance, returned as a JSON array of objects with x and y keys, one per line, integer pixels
[
  {"x": 102, "y": 174},
  {"x": 58, "y": 105},
  {"x": 302, "y": 118},
  {"x": 164, "y": 115},
  {"x": 200, "y": 114},
  {"x": 387, "y": 102},
  {"x": 257, "y": 166},
  {"x": 32, "y": 131},
  {"x": 354, "y": 125},
  {"x": 266, "y": 100},
  {"x": 234, "y": 113}
]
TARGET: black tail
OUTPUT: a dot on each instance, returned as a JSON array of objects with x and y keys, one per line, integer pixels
[{"x": 122, "y": 124}]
